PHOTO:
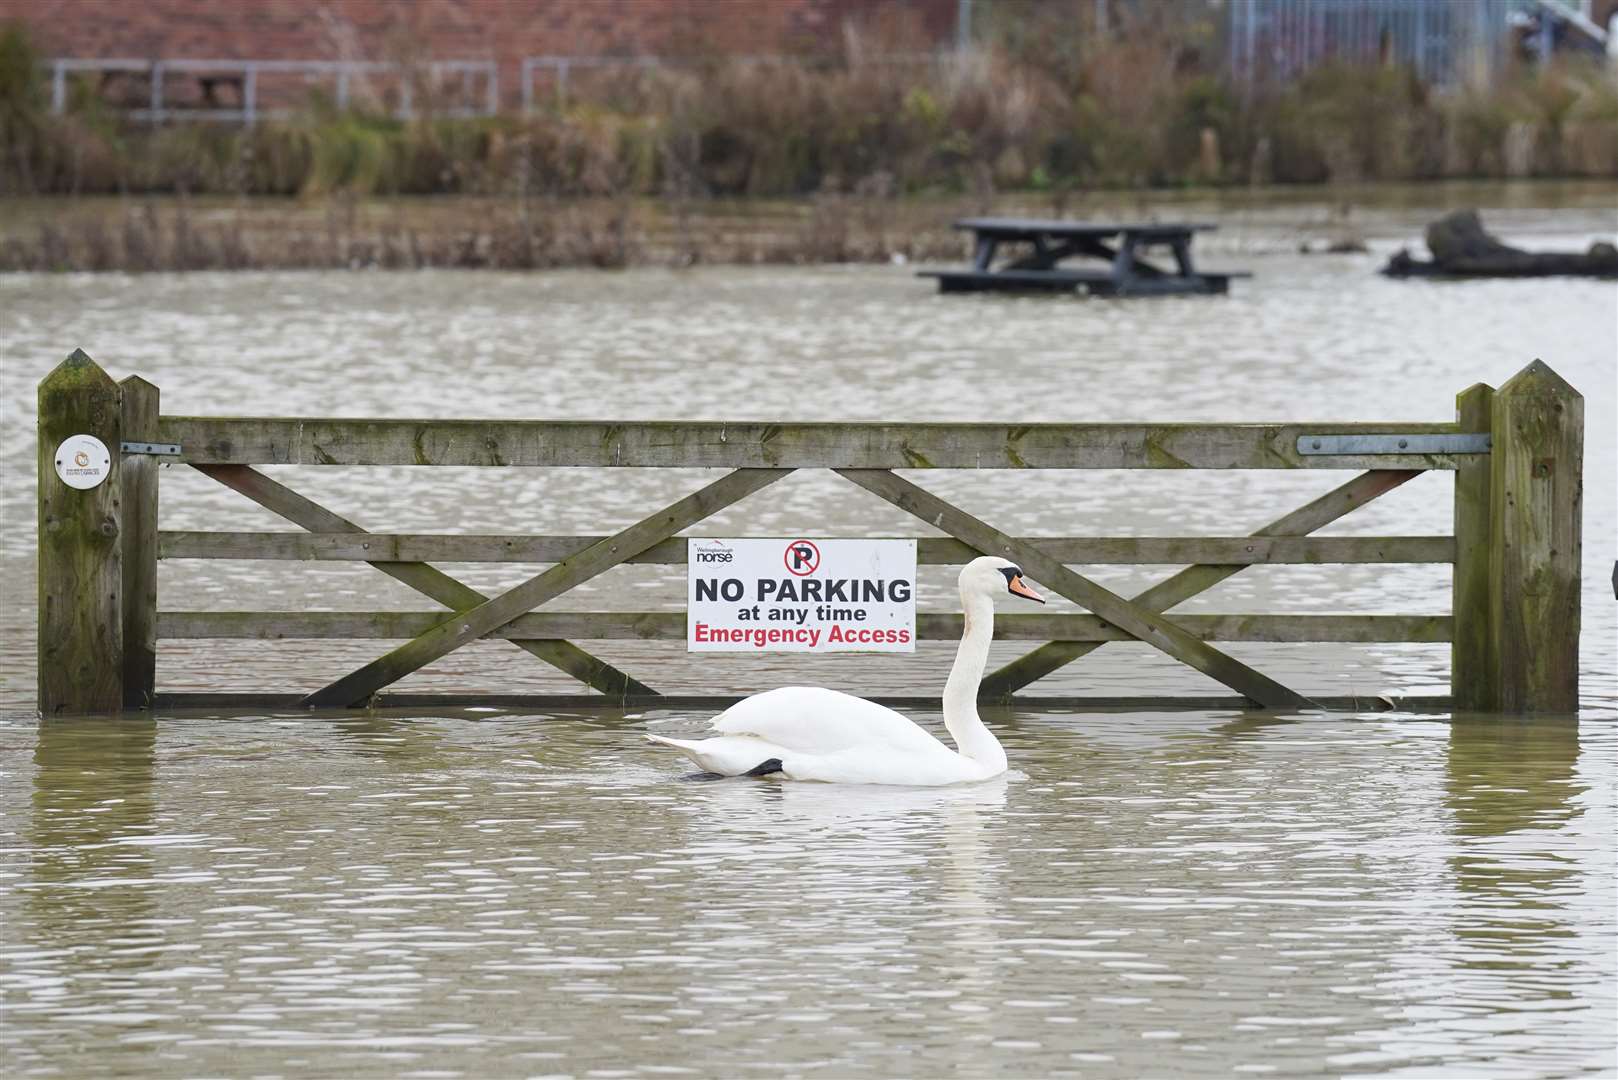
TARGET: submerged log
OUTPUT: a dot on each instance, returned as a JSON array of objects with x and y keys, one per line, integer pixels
[{"x": 1461, "y": 247}]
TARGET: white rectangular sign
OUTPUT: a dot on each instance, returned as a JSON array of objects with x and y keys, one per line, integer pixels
[{"x": 801, "y": 595}]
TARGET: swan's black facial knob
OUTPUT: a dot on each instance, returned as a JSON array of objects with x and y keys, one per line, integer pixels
[{"x": 1016, "y": 586}]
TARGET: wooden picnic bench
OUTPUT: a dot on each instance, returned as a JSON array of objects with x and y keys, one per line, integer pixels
[{"x": 1120, "y": 246}]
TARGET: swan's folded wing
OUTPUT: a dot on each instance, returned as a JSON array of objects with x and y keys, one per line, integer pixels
[{"x": 812, "y": 719}]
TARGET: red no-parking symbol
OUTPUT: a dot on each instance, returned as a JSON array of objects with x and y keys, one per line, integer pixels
[{"x": 802, "y": 558}]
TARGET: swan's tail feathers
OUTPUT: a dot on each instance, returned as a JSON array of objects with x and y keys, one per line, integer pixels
[
  {"x": 684, "y": 746},
  {"x": 729, "y": 755},
  {"x": 689, "y": 747}
]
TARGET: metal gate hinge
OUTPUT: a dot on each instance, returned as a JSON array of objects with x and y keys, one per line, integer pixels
[
  {"x": 161, "y": 449},
  {"x": 1464, "y": 443}
]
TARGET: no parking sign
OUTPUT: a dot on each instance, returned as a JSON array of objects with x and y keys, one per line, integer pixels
[{"x": 801, "y": 595}]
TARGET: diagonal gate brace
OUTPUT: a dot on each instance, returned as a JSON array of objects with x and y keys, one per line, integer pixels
[
  {"x": 1180, "y": 587},
  {"x": 280, "y": 499},
  {"x": 466, "y": 626},
  {"x": 1146, "y": 625}
]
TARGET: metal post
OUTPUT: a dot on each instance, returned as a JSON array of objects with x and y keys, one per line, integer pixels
[
  {"x": 58, "y": 88},
  {"x": 1251, "y": 42},
  {"x": 493, "y": 91},
  {"x": 1309, "y": 44},
  {"x": 963, "y": 25},
  {"x": 342, "y": 88},
  {"x": 157, "y": 91},
  {"x": 1423, "y": 68},
  {"x": 250, "y": 94}
]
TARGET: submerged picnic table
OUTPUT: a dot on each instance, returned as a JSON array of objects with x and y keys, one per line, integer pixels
[{"x": 1052, "y": 241}]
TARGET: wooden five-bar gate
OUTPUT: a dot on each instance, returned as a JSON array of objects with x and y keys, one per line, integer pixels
[{"x": 1514, "y": 627}]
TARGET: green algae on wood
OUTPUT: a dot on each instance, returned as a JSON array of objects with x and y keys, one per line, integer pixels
[
  {"x": 671, "y": 626},
  {"x": 930, "y": 550},
  {"x": 1473, "y": 675},
  {"x": 1536, "y": 506},
  {"x": 140, "y": 549},
  {"x": 428, "y": 580},
  {"x": 1315, "y": 514},
  {"x": 357, "y": 687},
  {"x": 81, "y": 627},
  {"x": 756, "y": 444}
]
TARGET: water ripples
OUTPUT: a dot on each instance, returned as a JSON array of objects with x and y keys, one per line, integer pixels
[{"x": 545, "y": 896}]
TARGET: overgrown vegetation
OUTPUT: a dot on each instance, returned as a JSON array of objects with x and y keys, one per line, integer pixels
[{"x": 1033, "y": 109}]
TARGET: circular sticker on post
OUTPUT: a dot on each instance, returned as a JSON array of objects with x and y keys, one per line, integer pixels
[{"x": 82, "y": 461}]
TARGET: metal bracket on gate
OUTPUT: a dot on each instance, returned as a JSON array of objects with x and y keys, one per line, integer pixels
[
  {"x": 1479, "y": 443},
  {"x": 158, "y": 449}
]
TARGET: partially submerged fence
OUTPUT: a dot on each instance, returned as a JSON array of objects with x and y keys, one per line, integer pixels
[{"x": 1516, "y": 452}]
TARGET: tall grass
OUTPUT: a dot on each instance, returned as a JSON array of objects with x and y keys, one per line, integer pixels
[{"x": 1037, "y": 107}]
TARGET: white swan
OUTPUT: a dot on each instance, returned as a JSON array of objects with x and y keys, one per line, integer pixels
[{"x": 811, "y": 733}]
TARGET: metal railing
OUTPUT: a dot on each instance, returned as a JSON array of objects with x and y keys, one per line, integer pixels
[
  {"x": 341, "y": 72},
  {"x": 561, "y": 67}
]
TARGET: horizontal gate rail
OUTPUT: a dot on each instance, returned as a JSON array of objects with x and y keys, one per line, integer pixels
[
  {"x": 714, "y": 445},
  {"x": 671, "y": 626},
  {"x": 1073, "y": 550},
  {"x": 416, "y": 704}
]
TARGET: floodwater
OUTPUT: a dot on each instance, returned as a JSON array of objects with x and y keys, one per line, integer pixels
[{"x": 478, "y": 894}]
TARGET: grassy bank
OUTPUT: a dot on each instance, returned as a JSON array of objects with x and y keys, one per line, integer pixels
[
  {"x": 466, "y": 232},
  {"x": 163, "y": 233},
  {"x": 1037, "y": 109}
]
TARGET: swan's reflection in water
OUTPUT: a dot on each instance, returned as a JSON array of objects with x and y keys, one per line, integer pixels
[
  {"x": 896, "y": 887},
  {"x": 841, "y": 837}
]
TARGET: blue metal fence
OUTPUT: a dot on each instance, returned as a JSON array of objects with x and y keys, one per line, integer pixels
[{"x": 1444, "y": 41}]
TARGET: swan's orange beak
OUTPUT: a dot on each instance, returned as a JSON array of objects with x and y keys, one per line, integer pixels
[{"x": 1020, "y": 588}]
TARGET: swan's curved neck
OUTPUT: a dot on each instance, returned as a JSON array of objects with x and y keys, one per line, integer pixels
[{"x": 961, "y": 691}]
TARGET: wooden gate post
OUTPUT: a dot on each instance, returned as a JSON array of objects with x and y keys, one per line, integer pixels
[
  {"x": 81, "y": 631},
  {"x": 139, "y": 496},
  {"x": 1536, "y": 508},
  {"x": 1473, "y": 671}
]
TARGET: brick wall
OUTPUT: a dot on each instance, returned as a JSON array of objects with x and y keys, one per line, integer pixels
[{"x": 505, "y": 31}]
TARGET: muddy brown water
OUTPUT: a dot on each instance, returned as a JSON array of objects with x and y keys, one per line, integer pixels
[{"x": 474, "y": 894}]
